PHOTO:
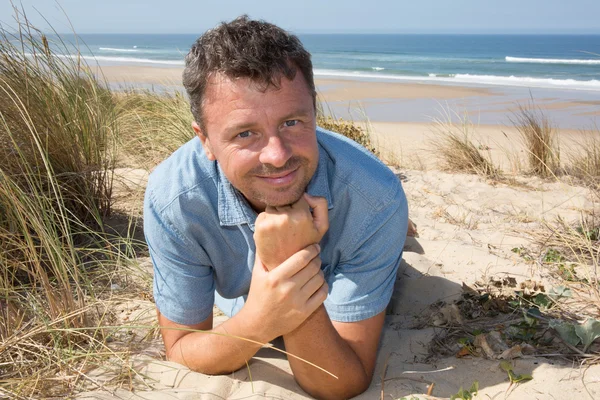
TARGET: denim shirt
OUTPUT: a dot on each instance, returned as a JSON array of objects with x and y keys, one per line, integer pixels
[{"x": 199, "y": 231}]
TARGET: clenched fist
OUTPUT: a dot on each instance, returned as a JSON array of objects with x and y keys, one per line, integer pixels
[{"x": 281, "y": 232}]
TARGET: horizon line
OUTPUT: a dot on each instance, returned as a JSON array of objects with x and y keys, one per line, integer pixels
[{"x": 356, "y": 33}]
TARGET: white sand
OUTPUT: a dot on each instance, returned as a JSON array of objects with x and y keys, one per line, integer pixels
[
  {"x": 411, "y": 144},
  {"x": 467, "y": 229}
]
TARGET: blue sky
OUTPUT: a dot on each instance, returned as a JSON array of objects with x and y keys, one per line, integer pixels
[{"x": 305, "y": 16}]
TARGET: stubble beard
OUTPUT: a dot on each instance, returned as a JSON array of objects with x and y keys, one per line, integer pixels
[{"x": 294, "y": 193}]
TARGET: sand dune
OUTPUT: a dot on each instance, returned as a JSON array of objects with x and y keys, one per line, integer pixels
[{"x": 467, "y": 229}]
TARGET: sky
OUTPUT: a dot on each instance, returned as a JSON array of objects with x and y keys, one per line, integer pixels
[{"x": 315, "y": 16}]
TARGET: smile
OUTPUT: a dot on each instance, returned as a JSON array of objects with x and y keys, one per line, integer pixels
[{"x": 280, "y": 179}]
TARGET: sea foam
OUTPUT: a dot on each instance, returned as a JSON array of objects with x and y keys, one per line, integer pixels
[
  {"x": 494, "y": 80},
  {"x": 119, "y": 50},
  {"x": 138, "y": 60},
  {"x": 529, "y": 81},
  {"x": 118, "y": 59},
  {"x": 552, "y": 61}
]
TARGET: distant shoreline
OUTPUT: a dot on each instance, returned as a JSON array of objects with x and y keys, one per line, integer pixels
[{"x": 397, "y": 101}]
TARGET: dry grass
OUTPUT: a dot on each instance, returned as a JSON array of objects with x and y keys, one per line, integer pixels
[
  {"x": 58, "y": 127},
  {"x": 568, "y": 253},
  {"x": 59, "y": 131},
  {"x": 584, "y": 158},
  {"x": 571, "y": 251},
  {"x": 152, "y": 125},
  {"x": 349, "y": 129},
  {"x": 539, "y": 139},
  {"x": 456, "y": 151}
]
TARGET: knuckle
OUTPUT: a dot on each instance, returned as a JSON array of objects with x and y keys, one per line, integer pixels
[
  {"x": 318, "y": 262},
  {"x": 322, "y": 275},
  {"x": 271, "y": 281},
  {"x": 285, "y": 291},
  {"x": 315, "y": 266}
]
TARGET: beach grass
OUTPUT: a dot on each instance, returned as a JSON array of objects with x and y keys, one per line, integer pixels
[
  {"x": 350, "y": 129},
  {"x": 63, "y": 132},
  {"x": 456, "y": 151},
  {"x": 539, "y": 139},
  {"x": 58, "y": 126},
  {"x": 584, "y": 158},
  {"x": 152, "y": 125}
]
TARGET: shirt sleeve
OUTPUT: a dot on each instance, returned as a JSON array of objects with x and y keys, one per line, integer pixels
[
  {"x": 361, "y": 285},
  {"x": 183, "y": 278}
]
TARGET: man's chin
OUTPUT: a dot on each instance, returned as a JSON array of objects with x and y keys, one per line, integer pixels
[
  {"x": 283, "y": 201},
  {"x": 278, "y": 199}
]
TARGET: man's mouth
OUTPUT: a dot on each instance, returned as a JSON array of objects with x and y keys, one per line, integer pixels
[{"x": 280, "y": 178}]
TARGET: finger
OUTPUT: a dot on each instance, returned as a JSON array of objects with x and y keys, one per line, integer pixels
[
  {"x": 320, "y": 212},
  {"x": 313, "y": 284},
  {"x": 283, "y": 209},
  {"x": 301, "y": 204},
  {"x": 271, "y": 210},
  {"x": 308, "y": 272},
  {"x": 317, "y": 298},
  {"x": 297, "y": 262}
]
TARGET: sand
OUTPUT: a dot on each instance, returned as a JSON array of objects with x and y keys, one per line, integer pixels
[
  {"x": 406, "y": 101},
  {"x": 467, "y": 230},
  {"x": 131, "y": 74},
  {"x": 414, "y": 144},
  {"x": 333, "y": 89}
]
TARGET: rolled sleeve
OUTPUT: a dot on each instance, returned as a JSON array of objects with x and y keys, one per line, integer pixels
[
  {"x": 361, "y": 286},
  {"x": 183, "y": 281}
]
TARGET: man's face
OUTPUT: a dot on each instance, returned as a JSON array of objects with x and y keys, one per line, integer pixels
[{"x": 264, "y": 141}]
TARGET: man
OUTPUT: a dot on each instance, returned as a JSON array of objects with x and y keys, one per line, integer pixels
[{"x": 291, "y": 230}]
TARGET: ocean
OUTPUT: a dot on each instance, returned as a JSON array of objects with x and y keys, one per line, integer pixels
[
  {"x": 560, "y": 73},
  {"x": 542, "y": 61}
]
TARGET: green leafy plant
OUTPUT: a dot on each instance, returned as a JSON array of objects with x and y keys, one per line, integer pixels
[
  {"x": 466, "y": 394},
  {"x": 512, "y": 376},
  {"x": 523, "y": 252},
  {"x": 566, "y": 270},
  {"x": 576, "y": 334}
]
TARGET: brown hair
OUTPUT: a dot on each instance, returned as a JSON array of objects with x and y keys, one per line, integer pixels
[{"x": 244, "y": 48}]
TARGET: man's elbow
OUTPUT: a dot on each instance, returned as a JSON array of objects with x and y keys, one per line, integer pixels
[
  {"x": 341, "y": 389},
  {"x": 199, "y": 364},
  {"x": 204, "y": 368}
]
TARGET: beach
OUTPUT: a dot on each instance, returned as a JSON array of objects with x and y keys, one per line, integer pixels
[
  {"x": 494, "y": 136},
  {"x": 404, "y": 117},
  {"x": 468, "y": 230}
]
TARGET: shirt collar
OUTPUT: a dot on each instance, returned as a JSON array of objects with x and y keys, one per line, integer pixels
[{"x": 234, "y": 209}]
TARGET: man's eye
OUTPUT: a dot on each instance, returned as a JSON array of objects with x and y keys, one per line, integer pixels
[
  {"x": 244, "y": 134},
  {"x": 291, "y": 122}
]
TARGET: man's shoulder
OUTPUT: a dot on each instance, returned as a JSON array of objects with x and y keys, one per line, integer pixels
[
  {"x": 358, "y": 169},
  {"x": 185, "y": 170}
]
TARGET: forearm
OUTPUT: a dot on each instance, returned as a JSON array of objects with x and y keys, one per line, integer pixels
[
  {"x": 220, "y": 350},
  {"x": 317, "y": 341}
]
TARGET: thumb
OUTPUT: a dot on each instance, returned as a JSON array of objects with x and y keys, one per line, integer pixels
[{"x": 320, "y": 212}]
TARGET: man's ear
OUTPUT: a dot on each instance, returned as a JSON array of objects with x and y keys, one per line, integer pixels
[{"x": 205, "y": 141}]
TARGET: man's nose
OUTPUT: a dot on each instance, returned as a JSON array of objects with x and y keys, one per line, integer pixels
[{"x": 276, "y": 151}]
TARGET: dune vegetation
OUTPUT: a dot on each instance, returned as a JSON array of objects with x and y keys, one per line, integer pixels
[{"x": 63, "y": 134}]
